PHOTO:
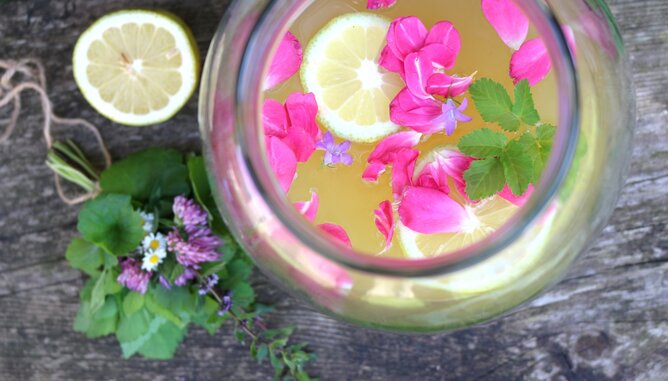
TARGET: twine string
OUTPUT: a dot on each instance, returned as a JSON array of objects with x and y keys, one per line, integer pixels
[{"x": 32, "y": 76}]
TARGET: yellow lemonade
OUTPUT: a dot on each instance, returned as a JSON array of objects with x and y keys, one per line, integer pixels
[{"x": 349, "y": 201}]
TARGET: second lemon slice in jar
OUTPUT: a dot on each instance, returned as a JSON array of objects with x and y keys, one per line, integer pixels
[{"x": 341, "y": 69}]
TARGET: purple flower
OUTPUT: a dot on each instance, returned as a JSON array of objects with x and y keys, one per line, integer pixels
[
  {"x": 453, "y": 114},
  {"x": 209, "y": 283},
  {"x": 189, "y": 212},
  {"x": 188, "y": 275},
  {"x": 164, "y": 282},
  {"x": 335, "y": 153},
  {"x": 199, "y": 247},
  {"x": 133, "y": 277},
  {"x": 226, "y": 303}
]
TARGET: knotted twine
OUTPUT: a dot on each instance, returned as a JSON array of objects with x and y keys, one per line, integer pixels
[{"x": 20, "y": 76}]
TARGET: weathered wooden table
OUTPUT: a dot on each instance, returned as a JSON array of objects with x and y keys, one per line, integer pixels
[{"x": 608, "y": 320}]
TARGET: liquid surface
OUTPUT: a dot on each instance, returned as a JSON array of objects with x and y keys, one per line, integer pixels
[{"x": 347, "y": 200}]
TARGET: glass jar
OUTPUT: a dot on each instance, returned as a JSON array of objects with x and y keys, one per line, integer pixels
[{"x": 571, "y": 204}]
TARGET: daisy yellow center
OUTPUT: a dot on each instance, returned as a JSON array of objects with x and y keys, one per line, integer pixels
[
  {"x": 154, "y": 259},
  {"x": 155, "y": 244}
]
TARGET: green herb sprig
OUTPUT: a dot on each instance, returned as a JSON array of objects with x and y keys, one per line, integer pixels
[
  {"x": 516, "y": 156},
  {"x": 154, "y": 323}
]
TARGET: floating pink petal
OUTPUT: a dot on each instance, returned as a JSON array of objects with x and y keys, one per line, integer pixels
[
  {"x": 508, "y": 20},
  {"x": 274, "y": 119},
  {"x": 444, "y": 34},
  {"x": 301, "y": 142},
  {"x": 386, "y": 151},
  {"x": 337, "y": 233},
  {"x": 385, "y": 222},
  {"x": 418, "y": 68},
  {"x": 448, "y": 163},
  {"x": 378, "y": 4},
  {"x": 405, "y": 36},
  {"x": 430, "y": 211},
  {"x": 448, "y": 86},
  {"x": 403, "y": 168},
  {"x": 282, "y": 161},
  {"x": 286, "y": 62},
  {"x": 531, "y": 62},
  {"x": 373, "y": 171},
  {"x": 391, "y": 62},
  {"x": 302, "y": 111},
  {"x": 413, "y": 112},
  {"x": 309, "y": 208},
  {"x": 507, "y": 194}
]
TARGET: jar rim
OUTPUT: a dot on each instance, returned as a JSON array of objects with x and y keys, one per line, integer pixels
[{"x": 249, "y": 86}]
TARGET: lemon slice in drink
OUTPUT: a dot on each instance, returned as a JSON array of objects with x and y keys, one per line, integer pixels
[
  {"x": 137, "y": 67},
  {"x": 341, "y": 68}
]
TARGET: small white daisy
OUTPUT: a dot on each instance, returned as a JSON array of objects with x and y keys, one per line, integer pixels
[
  {"x": 154, "y": 242},
  {"x": 147, "y": 220},
  {"x": 152, "y": 259}
]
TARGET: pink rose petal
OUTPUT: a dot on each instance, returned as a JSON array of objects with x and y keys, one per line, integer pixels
[
  {"x": 286, "y": 62},
  {"x": 413, "y": 112},
  {"x": 403, "y": 168},
  {"x": 301, "y": 143},
  {"x": 373, "y": 171},
  {"x": 388, "y": 147},
  {"x": 302, "y": 111},
  {"x": 430, "y": 211},
  {"x": 531, "y": 62},
  {"x": 337, "y": 233},
  {"x": 390, "y": 62},
  {"x": 309, "y": 208},
  {"x": 405, "y": 36},
  {"x": 444, "y": 34},
  {"x": 508, "y": 20},
  {"x": 282, "y": 161},
  {"x": 377, "y": 4},
  {"x": 448, "y": 86},
  {"x": 507, "y": 194},
  {"x": 385, "y": 222},
  {"x": 448, "y": 163},
  {"x": 274, "y": 119},
  {"x": 418, "y": 68}
]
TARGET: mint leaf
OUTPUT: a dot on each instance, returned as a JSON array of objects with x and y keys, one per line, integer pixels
[
  {"x": 207, "y": 315},
  {"x": 532, "y": 149},
  {"x": 98, "y": 324},
  {"x": 85, "y": 256},
  {"x": 110, "y": 222},
  {"x": 135, "y": 330},
  {"x": 163, "y": 344},
  {"x": 132, "y": 303},
  {"x": 148, "y": 176},
  {"x": 524, "y": 107},
  {"x": 517, "y": 167},
  {"x": 545, "y": 139},
  {"x": 105, "y": 284},
  {"x": 484, "y": 178},
  {"x": 483, "y": 143},
  {"x": 494, "y": 104}
]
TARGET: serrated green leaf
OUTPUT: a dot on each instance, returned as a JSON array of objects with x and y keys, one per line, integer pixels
[
  {"x": 517, "y": 167},
  {"x": 148, "y": 176},
  {"x": 243, "y": 295},
  {"x": 163, "y": 344},
  {"x": 494, "y": 104},
  {"x": 98, "y": 324},
  {"x": 484, "y": 178},
  {"x": 545, "y": 139},
  {"x": 524, "y": 107},
  {"x": 207, "y": 315},
  {"x": 110, "y": 222},
  {"x": 532, "y": 148},
  {"x": 85, "y": 256},
  {"x": 98, "y": 294},
  {"x": 132, "y": 303},
  {"x": 136, "y": 330},
  {"x": 262, "y": 353},
  {"x": 161, "y": 310},
  {"x": 483, "y": 143}
]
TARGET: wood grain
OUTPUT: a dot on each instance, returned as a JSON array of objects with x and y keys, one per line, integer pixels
[{"x": 608, "y": 320}]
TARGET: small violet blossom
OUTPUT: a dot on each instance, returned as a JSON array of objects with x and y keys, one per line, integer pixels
[
  {"x": 188, "y": 274},
  {"x": 335, "y": 153},
  {"x": 427, "y": 116},
  {"x": 226, "y": 303},
  {"x": 132, "y": 276},
  {"x": 379, "y": 4},
  {"x": 164, "y": 282},
  {"x": 209, "y": 283}
]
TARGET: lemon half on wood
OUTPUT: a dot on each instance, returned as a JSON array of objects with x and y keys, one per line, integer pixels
[{"x": 137, "y": 67}]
